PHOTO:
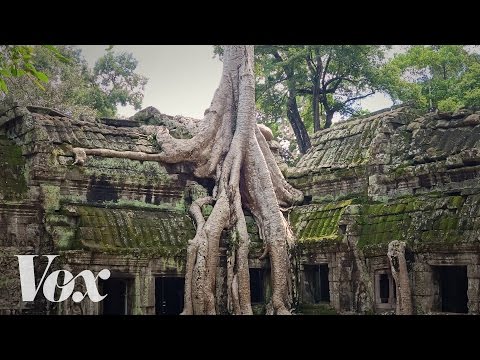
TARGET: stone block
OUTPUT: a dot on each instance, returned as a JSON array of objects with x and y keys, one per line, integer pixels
[{"x": 423, "y": 283}]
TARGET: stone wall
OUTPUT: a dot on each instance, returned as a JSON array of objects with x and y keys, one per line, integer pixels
[
  {"x": 111, "y": 213},
  {"x": 395, "y": 175}
]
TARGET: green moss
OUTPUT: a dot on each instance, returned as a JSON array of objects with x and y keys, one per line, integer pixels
[
  {"x": 448, "y": 222},
  {"x": 403, "y": 170},
  {"x": 416, "y": 220},
  {"x": 178, "y": 206},
  {"x": 51, "y": 197},
  {"x": 355, "y": 198},
  {"x": 316, "y": 223},
  {"x": 455, "y": 202},
  {"x": 63, "y": 237},
  {"x": 73, "y": 199},
  {"x": 58, "y": 219},
  {"x": 13, "y": 184},
  {"x": 121, "y": 231}
]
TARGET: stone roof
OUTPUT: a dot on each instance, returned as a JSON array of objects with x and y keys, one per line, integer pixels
[
  {"x": 318, "y": 222},
  {"x": 109, "y": 204},
  {"x": 423, "y": 221},
  {"x": 133, "y": 134},
  {"x": 114, "y": 228},
  {"x": 389, "y": 145},
  {"x": 395, "y": 175},
  {"x": 392, "y": 138}
]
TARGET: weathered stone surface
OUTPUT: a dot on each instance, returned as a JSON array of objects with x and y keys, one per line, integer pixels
[
  {"x": 409, "y": 178},
  {"x": 395, "y": 175}
]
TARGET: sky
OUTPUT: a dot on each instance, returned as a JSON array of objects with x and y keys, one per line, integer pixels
[{"x": 183, "y": 78}]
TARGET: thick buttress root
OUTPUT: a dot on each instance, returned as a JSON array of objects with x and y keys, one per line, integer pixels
[
  {"x": 230, "y": 148},
  {"x": 398, "y": 263}
]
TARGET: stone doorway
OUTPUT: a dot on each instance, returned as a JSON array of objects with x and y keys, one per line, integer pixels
[
  {"x": 385, "y": 290},
  {"x": 169, "y": 295},
  {"x": 317, "y": 287},
  {"x": 119, "y": 299},
  {"x": 451, "y": 285},
  {"x": 257, "y": 288}
]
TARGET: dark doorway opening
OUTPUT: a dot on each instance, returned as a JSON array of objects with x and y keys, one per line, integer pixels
[
  {"x": 385, "y": 291},
  {"x": 384, "y": 288},
  {"x": 118, "y": 300},
  {"x": 452, "y": 284},
  {"x": 257, "y": 289},
  {"x": 169, "y": 295},
  {"x": 317, "y": 284}
]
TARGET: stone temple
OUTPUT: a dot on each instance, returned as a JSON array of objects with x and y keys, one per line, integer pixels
[{"x": 397, "y": 174}]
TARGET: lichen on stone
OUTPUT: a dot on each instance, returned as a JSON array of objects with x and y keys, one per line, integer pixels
[
  {"x": 13, "y": 184},
  {"x": 315, "y": 223}
]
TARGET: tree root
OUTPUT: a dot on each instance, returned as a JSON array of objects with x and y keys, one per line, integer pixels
[
  {"x": 232, "y": 149},
  {"x": 398, "y": 264}
]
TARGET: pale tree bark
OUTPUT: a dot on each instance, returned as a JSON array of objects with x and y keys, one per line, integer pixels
[
  {"x": 293, "y": 115},
  {"x": 364, "y": 292},
  {"x": 398, "y": 263},
  {"x": 231, "y": 149}
]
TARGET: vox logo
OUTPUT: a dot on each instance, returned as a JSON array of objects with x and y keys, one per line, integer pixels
[{"x": 51, "y": 282}]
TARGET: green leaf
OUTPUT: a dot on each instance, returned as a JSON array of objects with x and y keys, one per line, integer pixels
[
  {"x": 51, "y": 48},
  {"x": 57, "y": 53},
  {"x": 38, "y": 84},
  {"x": 110, "y": 47},
  {"x": 5, "y": 73},
  {"x": 3, "y": 86},
  {"x": 41, "y": 76}
]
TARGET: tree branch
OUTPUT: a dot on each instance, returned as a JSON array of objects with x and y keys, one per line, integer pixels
[
  {"x": 325, "y": 70},
  {"x": 271, "y": 85},
  {"x": 342, "y": 104},
  {"x": 305, "y": 91}
]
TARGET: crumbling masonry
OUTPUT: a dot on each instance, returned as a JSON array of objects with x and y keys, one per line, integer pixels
[{"x": 395, "y": 175}]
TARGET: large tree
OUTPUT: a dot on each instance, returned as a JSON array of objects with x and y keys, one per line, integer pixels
[
  {"x": 116, "y": 78},
  {"x": 49, "y": 79},
  {"x": 230, "y": 148},
  {"x": 444, "y": 77},
  {"x": 310, "y": 83}
]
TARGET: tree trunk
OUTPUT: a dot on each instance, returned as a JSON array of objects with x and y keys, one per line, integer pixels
[
  {"x": 298, "y": 126},
  {"x": 318, "y": 70},
  {"x": 328, "y": 121},
  {"x": 396, "y": 256},
  {"x": 230, "y": 148},
  {"x": 316, "y": 109},
  {"x": 293, "y": 115},
  {"x": 363, "y": 297},
  {"x": 247, "y": 176}
]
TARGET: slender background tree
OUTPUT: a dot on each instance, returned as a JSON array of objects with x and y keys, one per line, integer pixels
[{"x": 309, "y": 84}]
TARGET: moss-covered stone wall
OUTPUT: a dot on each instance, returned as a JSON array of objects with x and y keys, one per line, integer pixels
[
  {"x": 395, "y": 175},
  {"x": 130, "y": 216}
]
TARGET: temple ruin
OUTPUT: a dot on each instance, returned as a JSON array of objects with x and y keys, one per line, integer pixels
[{"x": 397, "y": 174}]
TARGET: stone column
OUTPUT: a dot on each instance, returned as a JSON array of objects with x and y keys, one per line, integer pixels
[
  {"x": 423, "y": 288},
  {"x": 473, "y": 274}
]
